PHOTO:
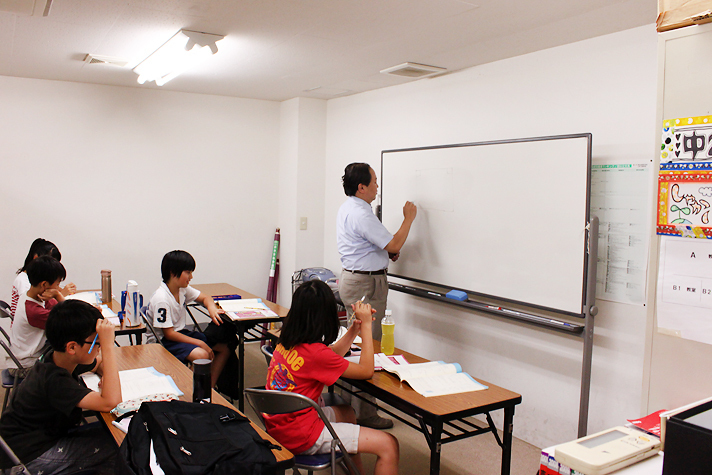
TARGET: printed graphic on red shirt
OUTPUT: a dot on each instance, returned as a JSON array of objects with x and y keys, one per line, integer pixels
[
  {"x": 304, "y": 369},
  {"x": 280, "y": 378}
]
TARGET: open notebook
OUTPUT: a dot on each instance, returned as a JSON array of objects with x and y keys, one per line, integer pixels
[
  {"x": 136, "y": 383},
  {"x": 246, "y": 308}
]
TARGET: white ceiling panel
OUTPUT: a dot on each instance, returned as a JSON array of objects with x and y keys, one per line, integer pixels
[{"x": 277, "y": 49}]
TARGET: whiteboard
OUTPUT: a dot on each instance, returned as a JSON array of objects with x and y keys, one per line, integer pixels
[{"x": 505, "y": 219}]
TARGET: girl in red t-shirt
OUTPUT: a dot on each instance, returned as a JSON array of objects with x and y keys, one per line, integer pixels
[{"x": 304, "y": 363}]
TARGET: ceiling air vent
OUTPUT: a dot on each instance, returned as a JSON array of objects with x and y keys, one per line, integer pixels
[
  {"x": 414, "y": 70},
  {"x": 97, "y": 59}
]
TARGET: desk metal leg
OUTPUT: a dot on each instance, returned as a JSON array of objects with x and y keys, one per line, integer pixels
[
  {"x": 435, "y": 447},
  {"x": 241, "y": 366},
  {"x": 507, "y": 439}
]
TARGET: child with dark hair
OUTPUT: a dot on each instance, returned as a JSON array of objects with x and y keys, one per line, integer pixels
[
  {"x": 304, "y": 363},
  {"x": 40, "y": 423},
  {"x": 167, "y": 309},
  {"x": 27, "y": 334},
  {"x": 39, "y": 247}
]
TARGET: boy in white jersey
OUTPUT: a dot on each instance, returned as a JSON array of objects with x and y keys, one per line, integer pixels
[{"x": 167, "y": 309}]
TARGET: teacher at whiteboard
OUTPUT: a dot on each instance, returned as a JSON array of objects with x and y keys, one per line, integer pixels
[{"x": 365, "y": 244}]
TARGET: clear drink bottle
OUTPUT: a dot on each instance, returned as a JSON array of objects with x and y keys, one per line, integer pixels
[{"x": 388, "y": 326}]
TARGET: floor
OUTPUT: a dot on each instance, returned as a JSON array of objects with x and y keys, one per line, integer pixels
[{"x": 475, "y": 456}]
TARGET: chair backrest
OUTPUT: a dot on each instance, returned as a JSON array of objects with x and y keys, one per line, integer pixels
[
  {"x": 13, "y": 458},
  {"x": 7, "y": 337},
  {"x": 5, "y": 310},
  {"x": 153, "y": 337},
  {"x": 9, "y": 389},
  {"x": 267, "y": 350},
  {"x": 9, "y": 352},
  {"x": 283, "y": 402}
]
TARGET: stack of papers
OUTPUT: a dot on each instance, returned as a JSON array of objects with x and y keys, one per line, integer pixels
[
  {"x": 379, "y": 360},
  {"x": 246, "y": 308},
  {"x": 94, "y": 298},
  {"x": 91, "y": 297}
]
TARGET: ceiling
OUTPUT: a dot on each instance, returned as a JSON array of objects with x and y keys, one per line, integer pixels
[{"x": 280, "y": 49}]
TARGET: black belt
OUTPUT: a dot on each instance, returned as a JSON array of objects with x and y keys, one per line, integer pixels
[{"x": 368, "y": 272}]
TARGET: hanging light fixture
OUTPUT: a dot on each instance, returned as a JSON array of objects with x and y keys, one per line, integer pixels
[{"x": 183, "y": 51}]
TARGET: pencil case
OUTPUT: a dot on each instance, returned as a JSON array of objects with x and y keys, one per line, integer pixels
[{"x": 132, "y": 405}]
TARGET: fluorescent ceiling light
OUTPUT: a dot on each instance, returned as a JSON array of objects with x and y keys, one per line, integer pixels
[{"x": 183, "y": 51}]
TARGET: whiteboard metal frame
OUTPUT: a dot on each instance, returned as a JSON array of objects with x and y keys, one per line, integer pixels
[{"x": 589, "y": 309}]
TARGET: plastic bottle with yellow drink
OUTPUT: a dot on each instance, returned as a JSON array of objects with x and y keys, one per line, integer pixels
[{"x": 388, "y": 326}]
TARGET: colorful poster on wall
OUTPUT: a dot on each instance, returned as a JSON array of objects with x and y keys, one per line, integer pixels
[
  {"x": 685, "y": 179},
  {"x": 686, "y": 142}
]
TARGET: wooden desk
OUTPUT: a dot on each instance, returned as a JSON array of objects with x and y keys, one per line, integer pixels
[
  {"x": 441, "y": 419},
  {"x": 248, "y": 329},
  {"x": 137, "y": 330},
  {"x": 141, "y": 356}
]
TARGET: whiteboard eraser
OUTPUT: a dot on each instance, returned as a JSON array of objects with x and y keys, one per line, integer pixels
[{"x": 457, "y": 295}]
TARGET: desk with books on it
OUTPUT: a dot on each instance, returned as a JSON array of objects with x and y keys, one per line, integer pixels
[
  {"x": 113, "y": 307},
  {"x": 441, "y": 419},
  {"x": 141, "y": 356},
  {"x": 249, "y": 329}
]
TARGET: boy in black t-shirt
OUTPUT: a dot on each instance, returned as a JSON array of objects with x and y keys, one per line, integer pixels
[{"x": 40, "y": 422}]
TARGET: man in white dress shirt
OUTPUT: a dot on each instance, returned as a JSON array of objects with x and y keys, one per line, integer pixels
[{"x": 365, "y": 246}]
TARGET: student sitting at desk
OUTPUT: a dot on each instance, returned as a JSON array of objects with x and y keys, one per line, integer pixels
[
  {"x": 27, "y": 334},
  {"x": 167, "y": 309},
  {"x": 39, "y": 247},
  {"x": 304, "y": 363},
  {"x": 40, "y": 422}
]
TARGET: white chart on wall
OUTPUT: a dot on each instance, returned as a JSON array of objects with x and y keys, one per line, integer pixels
[{"x": 685, "y": 288}]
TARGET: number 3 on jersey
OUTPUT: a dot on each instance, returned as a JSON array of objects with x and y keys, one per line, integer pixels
[{"x": 161, "y": 315}]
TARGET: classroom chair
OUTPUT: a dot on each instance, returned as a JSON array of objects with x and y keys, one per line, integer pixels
[
  {"x": 9, "y": 382},
  {"x": 196, "y": 327},
  {"x": 5, "y": 310},
  {"x": 267, "y": 351},
  {"x": 13, "y": 458},
  {"x": 153, "y": 336},
  {"x": 283, "y": 402}
]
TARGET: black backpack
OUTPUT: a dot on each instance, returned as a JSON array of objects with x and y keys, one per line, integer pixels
[{"x": 195, "y": 439}]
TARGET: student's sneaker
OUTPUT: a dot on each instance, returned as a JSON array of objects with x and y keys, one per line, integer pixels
[{"x": 376, "y": 422}]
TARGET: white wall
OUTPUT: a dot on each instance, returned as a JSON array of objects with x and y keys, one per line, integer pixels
[
  {"x": 301, "y": 186},
  {"x": 117, "y": 177},
  {"x": 606, "y": 86}
]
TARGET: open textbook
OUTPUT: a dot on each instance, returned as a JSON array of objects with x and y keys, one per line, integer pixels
[
  {"x": 238, "y": 309},
  {"x": 435, "y": 378}
]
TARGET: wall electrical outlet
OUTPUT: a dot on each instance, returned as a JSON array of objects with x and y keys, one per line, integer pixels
[{"x": 303, "y": 223}]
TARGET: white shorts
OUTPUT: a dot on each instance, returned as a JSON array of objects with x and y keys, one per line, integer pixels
[{"x": 348, "y": 433}]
